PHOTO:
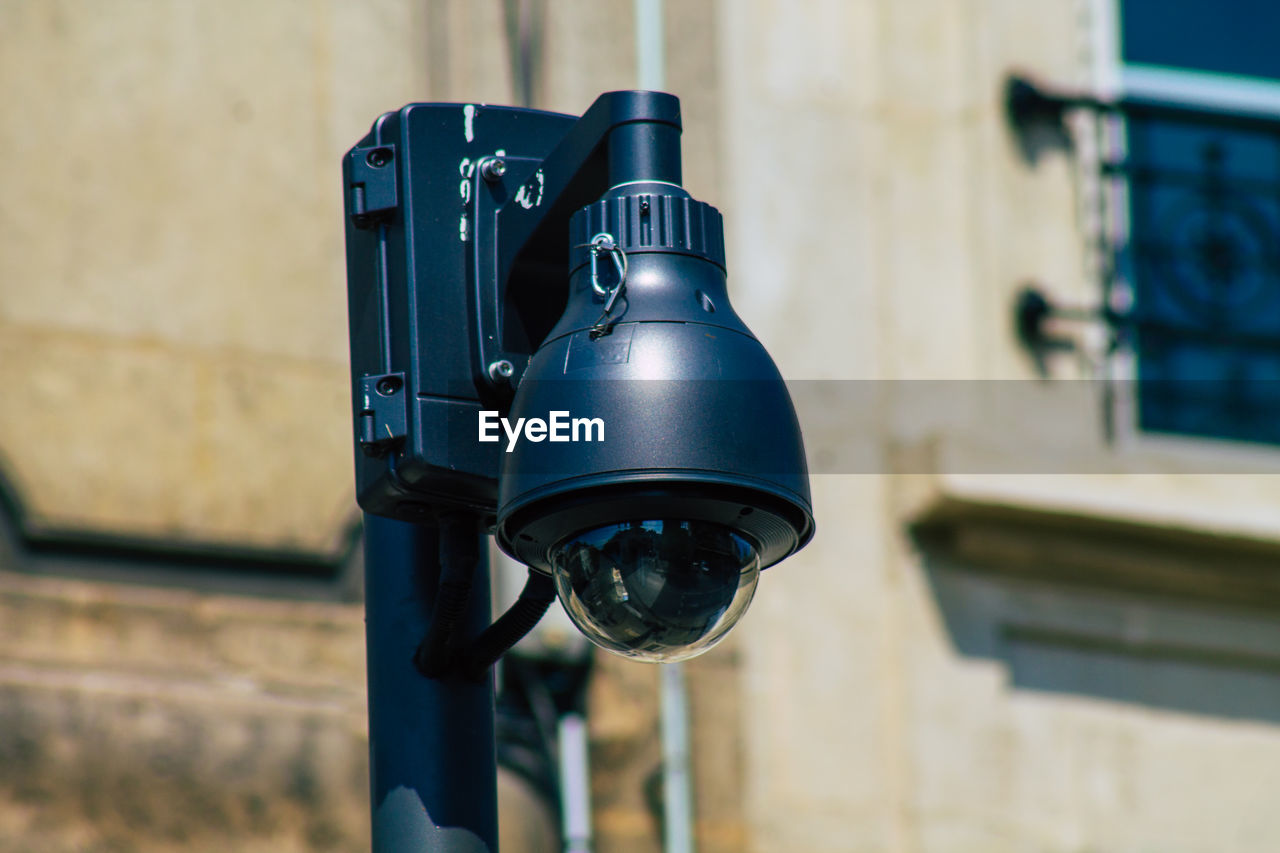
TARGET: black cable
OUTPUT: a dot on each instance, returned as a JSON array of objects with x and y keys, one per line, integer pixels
[
  {"x": 538, "y": 593},
  {"x": 459, "y": 552}
]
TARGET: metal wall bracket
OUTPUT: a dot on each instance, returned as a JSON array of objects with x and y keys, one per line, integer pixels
[
  {"x": 373, "y": 185},
  {"x": 381, "y": 423}
]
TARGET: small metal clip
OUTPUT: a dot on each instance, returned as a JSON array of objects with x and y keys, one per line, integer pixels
[{"x": 599, "y": 244}]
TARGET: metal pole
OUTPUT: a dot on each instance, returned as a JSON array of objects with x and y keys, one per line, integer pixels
[
  {"x": 677, "y": 784},
  {"x": 575, "y": 784},
  {"x": 650, "y": 46},
  {"x": 432, "y": 759}
]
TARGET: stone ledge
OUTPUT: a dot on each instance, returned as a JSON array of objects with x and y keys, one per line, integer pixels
[
  {"x": 53, "y": 623},
  {"x": 1207, "y": 565},
  {"x": 140, "y": 718},
  {"x": 99, "y": 769}
]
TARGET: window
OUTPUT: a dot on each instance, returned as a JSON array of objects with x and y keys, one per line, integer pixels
[{"x": 1198, "y": 270}]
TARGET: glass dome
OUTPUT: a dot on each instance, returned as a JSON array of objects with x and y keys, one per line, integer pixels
[{"x": 658, "y": 591}]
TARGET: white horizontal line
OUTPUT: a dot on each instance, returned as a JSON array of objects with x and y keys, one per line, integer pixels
[{"x": 1201, "y": 88}]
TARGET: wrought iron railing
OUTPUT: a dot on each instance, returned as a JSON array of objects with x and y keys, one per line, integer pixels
[{"x": 1189, "y": 244}]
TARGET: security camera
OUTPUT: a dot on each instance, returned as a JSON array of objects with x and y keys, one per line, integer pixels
[
  {"x": 542, "y": 336},
  {"x": 655, "y": 535}
]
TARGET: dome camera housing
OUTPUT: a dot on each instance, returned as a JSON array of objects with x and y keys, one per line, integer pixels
[{"x": 655, "y": 533}]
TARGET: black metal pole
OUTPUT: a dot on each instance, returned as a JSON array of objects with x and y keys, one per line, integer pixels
[{"x": 432, "y": 759}]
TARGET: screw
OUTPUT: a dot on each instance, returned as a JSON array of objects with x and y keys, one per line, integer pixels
[
  {"x": 493, "y": 168},
  {"x": 388, "y": 386},
  {"x": 501, "y": 370},
  {"x": 378, "y": 157}
]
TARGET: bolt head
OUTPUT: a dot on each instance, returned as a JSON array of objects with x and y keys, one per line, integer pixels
[
  {"x": 493, "y": 168},
  {"x": 502, "y": 369}
]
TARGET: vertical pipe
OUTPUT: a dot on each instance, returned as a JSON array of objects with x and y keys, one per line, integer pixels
[
  {"x": 647, "y": 151},
  {"x": 677, "y": 786},
  {"x": 432, "y": 760},
  {"x": 650, "y": 52},
  {"x": 575, "y": 784}
]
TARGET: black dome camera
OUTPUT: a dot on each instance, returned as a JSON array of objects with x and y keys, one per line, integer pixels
[
  {"x": 542, "y": 338},
  {"x": 656, "y": 534}
]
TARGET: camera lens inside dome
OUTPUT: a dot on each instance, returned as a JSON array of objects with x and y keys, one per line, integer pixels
[{"x": 656, "y": 590}]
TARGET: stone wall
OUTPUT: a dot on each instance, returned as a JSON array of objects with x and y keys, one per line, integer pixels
[
  {"x": 1040, "y": 660},
  {"x": 141, "y": 719}
]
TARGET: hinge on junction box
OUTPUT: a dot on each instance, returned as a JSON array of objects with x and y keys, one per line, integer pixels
[
  {"x": 373, "y": 184},
  {"x": 381, "y": 421}
]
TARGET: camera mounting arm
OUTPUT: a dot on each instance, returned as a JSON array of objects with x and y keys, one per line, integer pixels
[
  {"x": 623, "y": 137},
  {"x": 522, "y": 225}
]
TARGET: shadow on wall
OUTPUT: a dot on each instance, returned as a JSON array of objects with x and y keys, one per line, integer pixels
[
  {"x": 1058, "y": 636},
  {"x": 204, "y": 566}
]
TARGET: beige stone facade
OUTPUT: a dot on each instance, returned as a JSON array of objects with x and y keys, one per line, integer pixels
[{"x": 976, "y": 654}]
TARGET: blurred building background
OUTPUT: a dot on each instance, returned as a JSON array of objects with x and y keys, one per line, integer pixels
[{"x": 1040, "y": 614}]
